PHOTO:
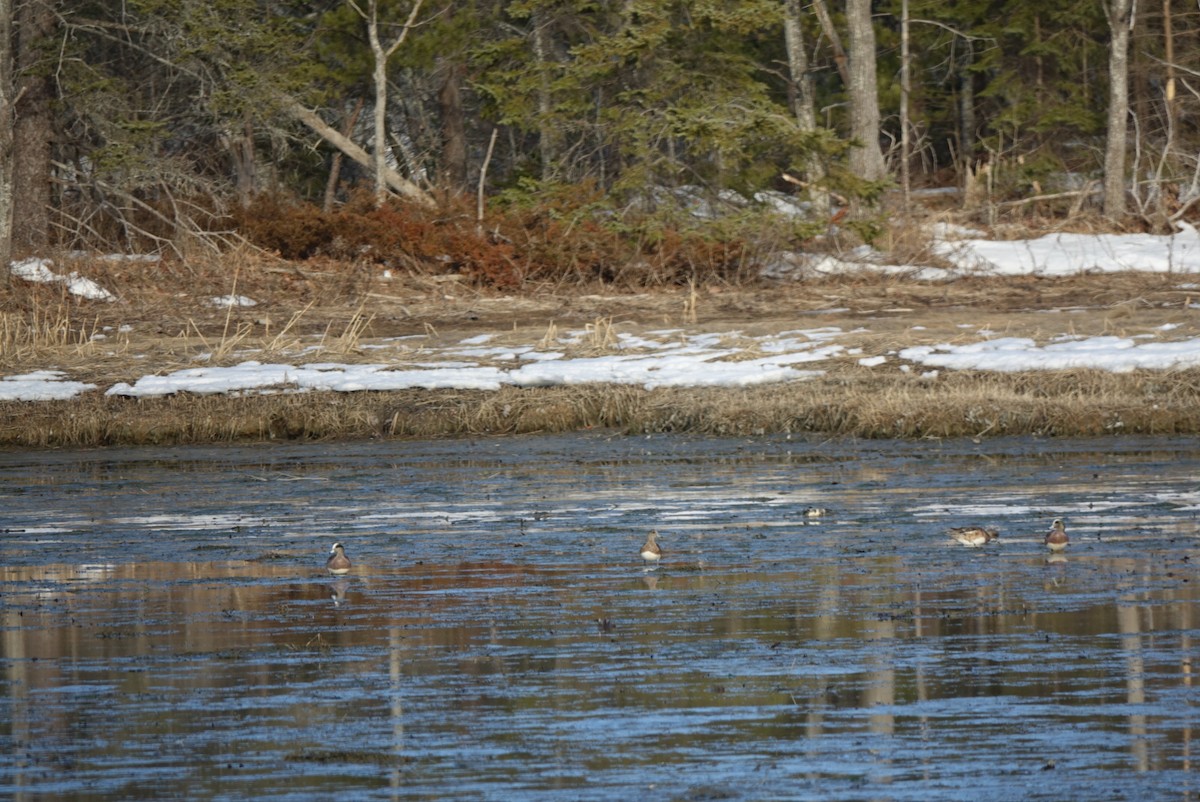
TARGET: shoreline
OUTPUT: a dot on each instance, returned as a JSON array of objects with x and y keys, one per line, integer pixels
[
  {"x": 849, "y": 403},
  {"x": 874, "y": 317}
]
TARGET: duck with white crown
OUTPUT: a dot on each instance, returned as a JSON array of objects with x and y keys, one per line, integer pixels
[
  {"x": 1056, "y": 539},
  {"x": 338, "y": 562}
]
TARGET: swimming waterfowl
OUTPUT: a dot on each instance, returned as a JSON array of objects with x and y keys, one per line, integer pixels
[
  {"x": 815, "y": 512},
  {"x": 974, "y": 536},
  {"x": 1056, "y": 538},
  {"x": 651, "y": 553},
  {"x": 338, "y": 562}
]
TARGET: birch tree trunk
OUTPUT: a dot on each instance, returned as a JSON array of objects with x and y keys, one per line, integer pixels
[
  {"x": 381, "y": 55},
  {"x": 379, "y": 77},
  {"x": 1119, "y": 22},
  {"x": 804, "y": 102},
  {"x": 866, "y": 160}
]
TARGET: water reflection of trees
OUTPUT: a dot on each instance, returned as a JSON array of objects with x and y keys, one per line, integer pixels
[{"x": 848, "y": 645}]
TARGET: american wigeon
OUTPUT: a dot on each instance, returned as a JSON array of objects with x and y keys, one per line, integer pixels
[
  {"x": 651, "y": 553},
  {"x": 338, "y": 562},
  {"x": 974, "y": 536},
  {"x": 1056, "y": 538}
]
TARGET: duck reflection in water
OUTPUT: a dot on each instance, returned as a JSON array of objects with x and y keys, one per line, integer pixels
[{"x": 337, "y": 591}]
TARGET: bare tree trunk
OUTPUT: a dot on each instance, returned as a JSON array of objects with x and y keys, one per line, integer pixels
[
  {"x": 244, "y": 162},
  {"x": 835, "y": 41},
  {"x": 379, "y": 77},
  {"x": 33, "y": 132},
  {"x": 395, "y": 181},
  {"x": 379, "y": 145},
  {"x": 804, "y": 102},
  {"x": 479, "y": 192},
  {"x": 905, "y": 92},
  {"x": 866, "y": 159},
  {"x": 546, "y": 139},
  {"x": 7, "y": 121},
  {"x": 966, "y": 110},
  {"x": 454, "y": 128},
  {"x": 335, "y": 169},
  {"x": 1169, "y": 58},
  {"x": 1119, "y": 22}
]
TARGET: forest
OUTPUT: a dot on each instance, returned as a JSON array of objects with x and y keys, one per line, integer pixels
[{"x": 628, "y": 141}]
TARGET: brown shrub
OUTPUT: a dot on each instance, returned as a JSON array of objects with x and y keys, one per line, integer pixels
[
  {"x": 293, "y": 230},
  {"x": 560, "y": 241}
]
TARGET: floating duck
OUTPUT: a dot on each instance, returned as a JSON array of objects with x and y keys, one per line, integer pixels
[
  {"x": 1056, "y": 538},
  {"x": 651, "y": 553},
  {"x": 338, "y": 562},
  {"x": 974, "y": 536}
]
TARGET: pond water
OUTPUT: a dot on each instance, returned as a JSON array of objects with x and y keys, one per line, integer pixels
[{"x": 169, "y": 630}]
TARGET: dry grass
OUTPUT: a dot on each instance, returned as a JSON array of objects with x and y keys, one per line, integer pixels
[
  {"x": 350, "y": 339},
  {"x": 599, "y": 336},
  {"x": 965, "y": 404},
  {"x": 339, "y": 307},
  {"x": 25, "y": 336}
]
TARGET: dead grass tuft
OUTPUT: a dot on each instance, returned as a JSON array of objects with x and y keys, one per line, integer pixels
[
  {"x": 550, "y": 338},
  {"x": 599, "y": 336},
  {"x": 26, "y": 336},
  {"x": 22, "y": 333},
  {"x": 349, "y": 340}
]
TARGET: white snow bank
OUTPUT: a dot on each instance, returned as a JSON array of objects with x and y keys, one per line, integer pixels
[{"x": 1071, "y": 254}]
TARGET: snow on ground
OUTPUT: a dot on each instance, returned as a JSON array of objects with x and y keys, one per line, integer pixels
[
  {"x": 970, "y": 253},
  {"x": 41, "y": 385},
  {"x": 678, "y": 361},
  {"x": 675, "y": 359},
  {"x": 232, "y": 300},
  {"x": 1012, "y": 354},
  {"x": 1072, "y": 254},
  {"x": 38, "y": 270}
]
